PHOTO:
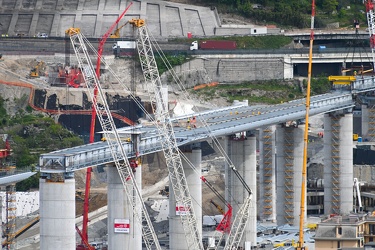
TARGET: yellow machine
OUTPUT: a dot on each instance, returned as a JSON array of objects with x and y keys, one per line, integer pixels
[
  {"x": 355, "y": 137},
  {"x": 35, "y": 72},
  {"x": 116, "y": 34},
  {"x": 342, "y": 80}
]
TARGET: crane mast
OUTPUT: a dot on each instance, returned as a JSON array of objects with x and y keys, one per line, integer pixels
[
  {"x": 105, "y": 118},
  {"x": 165, "y": 129},
  {"x": 371, "y": 28}
]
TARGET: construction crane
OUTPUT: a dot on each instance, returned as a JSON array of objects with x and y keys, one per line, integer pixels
[
  {"x": 219, "y": 208},
  {"x": 165, "y": 128},
  {"x": 300, "y": 244},
  {"x": 116, "y": 34},
  {"x": 371, "y": 28},
  {"x": 81, "y": 48},
  {"x": 85, "y": 219}
]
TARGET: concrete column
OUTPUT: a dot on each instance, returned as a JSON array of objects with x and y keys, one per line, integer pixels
[
  {"x": 289, "y": 144},
  {"x": 243, "y": 156},
  {"x": 365, "y": 121},
  {"x": 177, "y": 239},
  {"x": 55, "y": 27},
  {"x": 81, "y": 5},
  {"x": 119, "y": 208},
  {"x": 98, "y": 28},
  {"x": 34, "y": 22},
  {"x": 12, "y": 24},
  {"x": 288, "y": 67},
  {"x": 338, "y": 148},
  {"x": 57, "y": 214},
  {"x": 267, "y": 178}
]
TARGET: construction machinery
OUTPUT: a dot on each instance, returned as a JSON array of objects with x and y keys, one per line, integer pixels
[
  {"x": 81, "y": 48},
  {"x": 164, "y": 191},
  {"x": 219, "y": 208},
  {"x": 165, "y": 128},
  {"x": 300, "y": 244},
  {"x": 116, "y": 34},
  {"x": 37, "y": 70},
  {"x": 85, "y": 220}
]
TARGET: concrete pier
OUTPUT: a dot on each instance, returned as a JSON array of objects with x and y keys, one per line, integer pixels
[
  {"x": 338, "y": 163},
  {"x": 57, "y": 214},
  {"x": 242, "y": 153},
  {"x": 177, "y": 238},
  {"x": 289, "y": 161},
  {"x": 120, "y": 212}
]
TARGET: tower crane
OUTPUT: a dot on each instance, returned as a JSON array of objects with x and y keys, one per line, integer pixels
[
  {"x": 165, "y": 128},
  {"x": 81, "y": 48}
]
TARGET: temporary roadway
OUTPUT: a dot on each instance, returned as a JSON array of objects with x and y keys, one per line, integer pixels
[{"x": 213, "y": 123}]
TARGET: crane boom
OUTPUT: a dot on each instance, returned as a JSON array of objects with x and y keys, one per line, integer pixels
[
  {"x": 85, "y": 219},
  {"x": 239, "y": 225},
  {"x": 165, "y": 129},
  {"x": 105, "y": 118}
]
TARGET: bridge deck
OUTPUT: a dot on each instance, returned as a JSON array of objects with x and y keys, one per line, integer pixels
[{"x": 224, "y": 121}]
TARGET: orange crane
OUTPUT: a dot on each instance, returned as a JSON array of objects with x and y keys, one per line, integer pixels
[{"x": 85, "y": 220}]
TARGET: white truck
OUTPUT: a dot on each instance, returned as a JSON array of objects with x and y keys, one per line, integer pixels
[{"x": 124, "y": 48}]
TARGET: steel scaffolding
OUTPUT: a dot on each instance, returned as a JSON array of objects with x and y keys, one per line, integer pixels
[
  {"x": 335, "y": 156},
  {"x": 289, "y": 175},
  {"x": 11, "y": 207},
  {"x": 371, "y": 123},
  {"x": 267, "y": 172}
]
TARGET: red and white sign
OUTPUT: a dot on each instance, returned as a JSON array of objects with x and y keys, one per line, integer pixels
[
  {"x": 181, "y": 210},
  {"x": 122, "y": 226}
]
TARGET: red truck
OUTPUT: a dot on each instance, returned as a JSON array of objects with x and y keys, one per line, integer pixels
[{"x": 213, "y": 44}]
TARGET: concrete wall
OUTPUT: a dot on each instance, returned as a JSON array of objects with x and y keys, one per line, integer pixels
[{"x": 229, "y": 70}]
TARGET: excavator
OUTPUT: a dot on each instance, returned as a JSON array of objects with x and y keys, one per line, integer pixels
[
  {"x": 116, "y": 34},
  {"x": 35, "y": 71}
]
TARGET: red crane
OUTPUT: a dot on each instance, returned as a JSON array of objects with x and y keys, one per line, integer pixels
[
  {"x": 92, "y": 127},
  {"x": 225, "y": 223}
]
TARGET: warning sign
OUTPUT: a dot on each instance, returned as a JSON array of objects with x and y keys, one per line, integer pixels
[
  {"x": 182, "y": 210},
  {"x": 122, "y": 226}
]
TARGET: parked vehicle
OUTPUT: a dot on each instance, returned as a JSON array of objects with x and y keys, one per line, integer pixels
[
  {"x": 213, "y": 44},
  {"x": 42, "y": 35}
]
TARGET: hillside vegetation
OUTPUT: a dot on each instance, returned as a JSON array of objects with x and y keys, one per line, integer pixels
[{"x": 291, "y": 13}]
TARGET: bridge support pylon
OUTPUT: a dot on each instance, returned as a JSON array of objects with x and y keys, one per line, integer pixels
[
  {"x": 243, "y": 155},
  {"x": 120, "y": 213},
  {"x": 57, "y": 211},
  {"x": 177, "y": 239},
  {"x": 338, "y": 163},
  {"x": 289, "y": 159}
]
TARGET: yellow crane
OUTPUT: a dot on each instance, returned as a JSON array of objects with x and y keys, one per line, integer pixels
[
  {"x": 116, "y": 34},
  {"x": 300, "y": 244}
]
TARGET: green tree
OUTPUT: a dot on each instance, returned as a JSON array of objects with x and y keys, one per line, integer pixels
[{"x": 329, "y": 6}]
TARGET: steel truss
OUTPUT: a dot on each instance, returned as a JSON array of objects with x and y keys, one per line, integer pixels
[{"x": 120, "y": 158}]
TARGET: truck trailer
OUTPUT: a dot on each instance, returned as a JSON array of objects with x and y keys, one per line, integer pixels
[
  {"x": 124, "y": 48},
  {"x": 213, "y": 44}
]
